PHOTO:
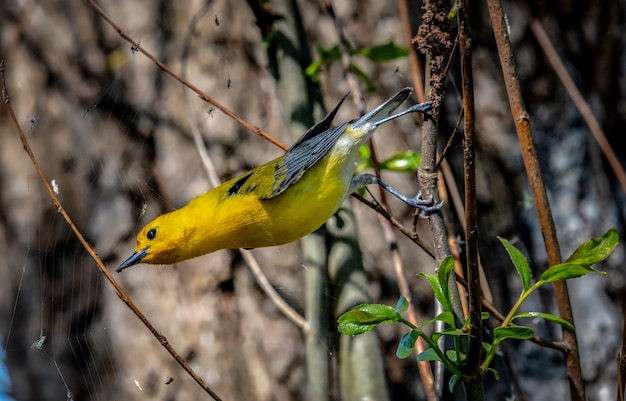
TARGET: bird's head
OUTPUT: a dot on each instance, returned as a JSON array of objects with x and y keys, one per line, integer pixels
[{"x": 161, "y": 241}]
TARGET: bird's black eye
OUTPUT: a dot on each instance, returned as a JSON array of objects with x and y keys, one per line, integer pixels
[{"x": 151, "y": 234}]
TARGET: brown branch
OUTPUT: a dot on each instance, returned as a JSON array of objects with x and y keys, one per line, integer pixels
[
  {"x": 138, "y": 48},
  {"x": 92, "y": 252},
  {"x": 531, "y": 163},
  {"x": 417, "y": 71},
  {"x": 621, "y": 362},
  {"x": 472, "y": 372},
  {"x": 209, "y": 168},
  {"x": 386, "y": 224},
  {"x": 383, "y": 212},
  {"x": 579, "y": 101}
]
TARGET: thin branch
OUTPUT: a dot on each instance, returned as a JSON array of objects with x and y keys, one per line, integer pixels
[
  {"x": 383, "y": 212},
  {"x": 557, "y": 345},
  {"x": 621, "y": 362},
  {"x": 269, "y": 290},
  {"x": 417, "y": 70},
  {"x": 389, "y": 234},
  {"x": 473, "y": 375},
  {"x": 138, "y": 48},
  {"x": 579, "y": 101},
  {"x": 533, "y": 171},
  {"x": 248, "y": 256},
  {"x": 92, "y": 252},
  {"x": 434, "y": 39}
]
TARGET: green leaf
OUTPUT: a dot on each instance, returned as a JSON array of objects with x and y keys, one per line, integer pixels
[
  {"x": 331, "y": 54},
  {"x": 326, "y": 56},
  {"x": 436, "y": 287},
  {"x": 439, "y": 282},
  {"x": 453, "y": 11},
  {"x": 406, "y": 344},
  {"x": 446, "y": 317},
  {"x": 408, "y": 161},
  {"x": 495, "y": 373},
  {"x": 487, "y": 347},
  {"x": 566, "y": 271},
  {"x": 519, "y": 261},
  {"x": 382, "y": 53},
  {"x": 365, "y": 160},
  {"x": 546, "y": 316},
  {"x": 269, "y": 39},
  {"x": 452, "y": 383},
  {"x": 454, "y": 332},
  {"x": 516, "y": 332},
  {"x": 402, "y": 305},
  {"x": 595, "y": 250},
  {"x": 313, "y": 70},
  {"x": 453, "y": 356},
  {"x": 365, "y": 317},
  {"x": 484, "y": 315},
  {"x": 379, "y": 312},
  {"x": 349, "y": 327},
  {"x": 428, "y": 355},
  {"x": 447, "y": 265},
  {"x": 436, "y": 336}
]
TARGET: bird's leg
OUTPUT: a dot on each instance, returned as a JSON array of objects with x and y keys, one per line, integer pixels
[
  {"x": 424, "y": 108},
  {"x": 425, "y": 206}
]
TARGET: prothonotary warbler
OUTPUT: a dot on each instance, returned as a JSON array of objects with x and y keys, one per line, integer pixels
[{"x": 278, "y": 202}]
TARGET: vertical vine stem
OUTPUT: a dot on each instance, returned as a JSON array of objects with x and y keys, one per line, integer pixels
[{"x": 531, "y": 163}]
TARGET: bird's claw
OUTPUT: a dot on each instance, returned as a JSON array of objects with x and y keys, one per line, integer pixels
[
  {"x": 426, "y": 206},
  {"x": 425, "y": 107}
]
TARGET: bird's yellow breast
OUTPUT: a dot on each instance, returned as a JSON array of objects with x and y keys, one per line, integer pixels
[{"x": 246, "y": 221}]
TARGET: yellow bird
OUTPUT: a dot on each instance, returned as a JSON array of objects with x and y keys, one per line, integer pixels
[{"x": 277, "y": 202}]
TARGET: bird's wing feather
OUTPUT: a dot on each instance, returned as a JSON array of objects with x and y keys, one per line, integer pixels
[
  {"x": 320, "y": 127},
  {"x": 303, "y": 154},
  {"x": 316, "y": 143},
  {"x": 301, "y": 158}
]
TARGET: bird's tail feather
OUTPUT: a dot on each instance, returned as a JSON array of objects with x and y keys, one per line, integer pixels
[{"x": 382, "y": 113}]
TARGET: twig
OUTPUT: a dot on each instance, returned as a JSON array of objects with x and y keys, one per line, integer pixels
[
  {"x": 385, "y": 222},
  {"x": 533, "y": 172},
  {"x": 417, "y": 71},
  {"x": 579, "y": 101},
  {"x": 92, "y": 252},
  {"x": 557, "y": 345},
  {"x": 621, "y": 362},
  {"x": 383, "y": 212},
  {"x": 280, "y": 303},
  {"x": 433, "y": 38},
  {"x": 472, "y": 372},
  {"x": 248, "y": 256},
  {"x": 188, "y": 84},
  {"x": 353, "y": 84}
]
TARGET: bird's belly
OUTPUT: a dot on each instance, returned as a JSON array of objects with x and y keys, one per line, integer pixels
[{"x": 301, "y": 209}]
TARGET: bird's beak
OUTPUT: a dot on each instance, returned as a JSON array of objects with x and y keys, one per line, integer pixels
[{"x": 135, "y": 258}]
